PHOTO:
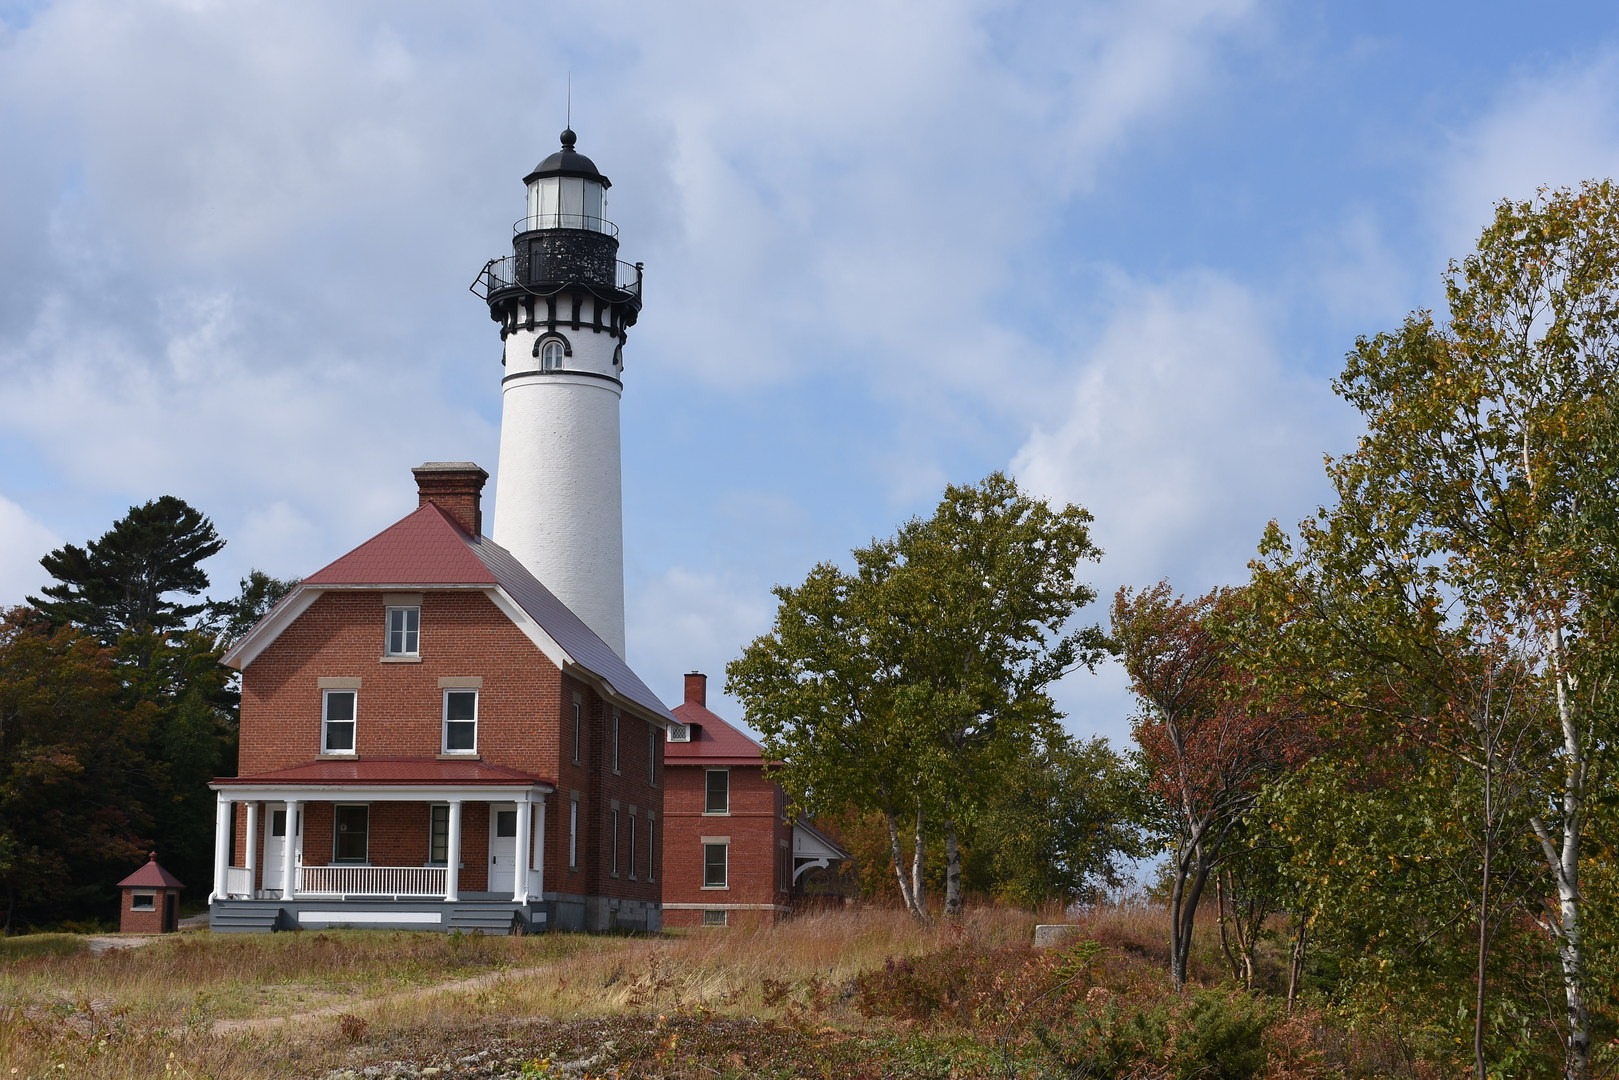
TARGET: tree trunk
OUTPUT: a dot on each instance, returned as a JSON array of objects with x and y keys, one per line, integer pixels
[
  {"x": 952, "y": 872},
  {"x": 1479, "y": 1068},
  {"x": 1191, "y": 875},
  {"x": 906, "y": 892},
  {"x": 918, "y": 888},
  {"x": 1562, "y": 855},
  {"x": 1295, "y": 961}
]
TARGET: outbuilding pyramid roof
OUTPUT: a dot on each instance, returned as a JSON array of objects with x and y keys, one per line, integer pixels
[{"x": 151, "y": 876}]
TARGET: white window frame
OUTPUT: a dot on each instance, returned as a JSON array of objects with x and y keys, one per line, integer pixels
[
  {"x": 445, "y": 731},
  {"x": 409, "y": 633},
  {"x": 725, "y": 863},
  {"x": 715, "y": 916},
  {"x": 631, "y": 861},
  {"x": 617, "y": 723},
  {"x": 327, "y": 723},
  {"x": 578, "y": 730},
  {"x": 573, "y": 834},
  {"x": 708, "y": 793},
  {"x": 553, "y": 351},
  {"x": 651, "y": 754},
  {"x": 652, "y": 847},
  {"x": 136, "y": 901},
  {"x": 613, "y": 860}
]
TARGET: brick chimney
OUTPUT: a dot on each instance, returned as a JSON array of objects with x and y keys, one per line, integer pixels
[
  {"x": 696, "y": 688},
  {"x": 455, "y": 487}
]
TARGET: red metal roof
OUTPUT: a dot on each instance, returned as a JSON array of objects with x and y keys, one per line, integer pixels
[
  {"x": 152, "y": 876},
  {"x": 426, "y": 547},
  {"x": 381, "y": 770},
  {"x": 713, "y": 741}
]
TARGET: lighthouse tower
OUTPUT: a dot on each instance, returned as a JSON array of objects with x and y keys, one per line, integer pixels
[{"x": 565, "y": 304}]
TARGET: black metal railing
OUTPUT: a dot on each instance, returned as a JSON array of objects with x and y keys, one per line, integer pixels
[
  {"x": 513, "y": 271},
  {"x": 536, "y": 222}
]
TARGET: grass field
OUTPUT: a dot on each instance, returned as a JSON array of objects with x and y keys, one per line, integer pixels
[{"x": 847, "y": 996}]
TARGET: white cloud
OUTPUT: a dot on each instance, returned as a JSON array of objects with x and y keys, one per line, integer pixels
[
  {"x": 695, "y": 620},
  {"x": 1552, "y": 128},
  {"x": 22, "y": 542},
  {"x": 1184, "y": 433}
]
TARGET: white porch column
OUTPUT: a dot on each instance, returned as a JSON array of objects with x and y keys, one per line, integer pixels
[
  {"x": 539, "y": 843},
  {"x": 251, "y": 856},
  {"x": 223, "y": 822},
  {"x": 525, "y": 844},
  {"x": 289, "y": 883},
  {"x": 452, "y": 855}
]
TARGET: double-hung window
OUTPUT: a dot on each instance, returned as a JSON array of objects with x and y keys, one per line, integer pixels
[
  {"x": 631, "y": 863},
  {"x": 717, "y": 794},
  {"x": 613, "y": 859},
  {"x": 404, "y": 632},
  {"x": 460, "y": 721},
  {"x": 651, "y": 753},
  {"x": 337, "y": 721},
  {"x": 715, "y": 865},
  {"x": 615, "y": 739}
]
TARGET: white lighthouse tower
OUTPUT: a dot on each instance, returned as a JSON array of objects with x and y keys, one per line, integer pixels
[{"x": 565, "y": 304}]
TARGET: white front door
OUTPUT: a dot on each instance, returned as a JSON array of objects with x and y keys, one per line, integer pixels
[
  {"x": 275, "y": 843},
  {"x": 502, "y": 848}
]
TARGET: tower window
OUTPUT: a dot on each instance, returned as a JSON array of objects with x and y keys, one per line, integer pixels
[{"x": 551, "y": 355}]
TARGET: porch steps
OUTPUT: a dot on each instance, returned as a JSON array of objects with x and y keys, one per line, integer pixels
[
  {"x": 247, "y": 917},
  {"x": 495, "y": 921}
]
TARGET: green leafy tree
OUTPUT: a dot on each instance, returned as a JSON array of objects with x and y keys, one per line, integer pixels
[
  {"x": 907, "y": 687},
  {"x": 71, "y": 821},
  {"x": 1483, "y": 502},
  {"x": 1062, "y": 824}
]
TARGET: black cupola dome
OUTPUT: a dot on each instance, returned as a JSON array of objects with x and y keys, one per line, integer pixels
[{"x": 568, "y": 162}]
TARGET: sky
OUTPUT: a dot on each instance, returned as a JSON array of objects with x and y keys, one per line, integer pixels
[{"x": 1118, "y": 249}]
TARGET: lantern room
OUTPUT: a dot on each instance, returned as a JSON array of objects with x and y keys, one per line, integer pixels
[{"x": 566, "y": 191}]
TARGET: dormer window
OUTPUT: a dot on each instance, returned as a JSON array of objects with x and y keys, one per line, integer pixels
[{"x": 404, "y": 631}]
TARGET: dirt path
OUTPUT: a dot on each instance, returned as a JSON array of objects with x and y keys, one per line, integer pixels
[{"x": 476, "y": 982}]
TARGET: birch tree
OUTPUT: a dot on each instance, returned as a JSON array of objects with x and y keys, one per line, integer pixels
[{"x": 1485, "y": 492}]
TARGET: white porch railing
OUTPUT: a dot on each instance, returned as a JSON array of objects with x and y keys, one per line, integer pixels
[
  {"x": 238, "y": 881},
  {"x": 389, "y": 881}
]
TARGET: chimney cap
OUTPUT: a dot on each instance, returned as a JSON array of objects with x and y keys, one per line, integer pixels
[{"x": 450, "y": 466}]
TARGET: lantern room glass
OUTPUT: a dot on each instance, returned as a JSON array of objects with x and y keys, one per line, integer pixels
[{"x": 565, "y": 202}]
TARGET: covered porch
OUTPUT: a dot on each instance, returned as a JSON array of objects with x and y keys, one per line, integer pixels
[{"x": 394, "y": 831}]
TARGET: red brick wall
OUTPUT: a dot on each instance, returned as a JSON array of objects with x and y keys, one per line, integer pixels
[
  {"x": 399, "y": 707},
  {"x": 131, "y": 921},
  {"x": 524, "y": 722},
  {"x": 756, "y": 828}
]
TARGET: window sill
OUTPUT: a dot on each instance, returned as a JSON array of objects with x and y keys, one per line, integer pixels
[
  {"x": 339, "y": 755},
  {"x": 458, "y": 755},
  {"x": 401, "y": 659},
  {"x": 716, "y": 813},
  {"x": 716, "y": 888}
]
